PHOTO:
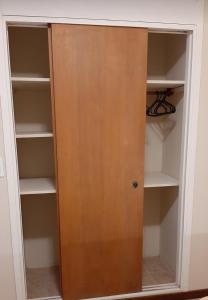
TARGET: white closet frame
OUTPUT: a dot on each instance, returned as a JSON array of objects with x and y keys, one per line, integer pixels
[{"x": 192, "y": 89}]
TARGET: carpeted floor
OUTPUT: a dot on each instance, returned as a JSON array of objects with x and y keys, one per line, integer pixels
[
  {"x": 44, "y": 282},
  {"x": 155, "y": 272}
]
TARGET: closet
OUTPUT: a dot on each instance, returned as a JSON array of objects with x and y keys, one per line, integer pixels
[{"x": 125, "y": 177}]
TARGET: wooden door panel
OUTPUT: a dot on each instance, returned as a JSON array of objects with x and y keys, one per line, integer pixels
[{"x": 99, "y": 79}]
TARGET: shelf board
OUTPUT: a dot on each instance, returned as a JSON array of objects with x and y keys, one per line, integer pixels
[
  {"x": 28, "y": 135},
  {"x": 19, "y": 82},
  {"x": 158, "y": 179},
  {"x": 32, "y": 186},
  {"x": 153, "y": 84}
]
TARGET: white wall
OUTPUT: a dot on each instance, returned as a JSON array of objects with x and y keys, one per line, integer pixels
[
  {"x": 7, "y": 285},
  {"x": 177, "y": 11},
  {"x": 199, "y": 246}
]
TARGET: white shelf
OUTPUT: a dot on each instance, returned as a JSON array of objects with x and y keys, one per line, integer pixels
[
  {"x": 32, "y": 186},
  {"x": 28, "y": 135},
  {"x": 157, "y": 179},
  {"x": 18, "y": 81},
  {"x": 153, "y": 84}
]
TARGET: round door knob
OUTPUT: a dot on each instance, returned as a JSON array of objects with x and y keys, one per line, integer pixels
[{"x": 135, "y": 184}]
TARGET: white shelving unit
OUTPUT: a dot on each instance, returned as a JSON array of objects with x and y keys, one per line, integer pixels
[
  {"x": 22, "y": 81},
  {"x": 29, "y": 61},
  {"x": 167, "y": 59},
  {"x": 153, "y": 84},
  {"x": 158, "y": 179},
  {"x": 27, "y": 135},
  {"x": 33, "y": 186}
]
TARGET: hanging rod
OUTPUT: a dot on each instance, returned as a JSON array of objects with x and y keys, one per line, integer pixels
[
  {"x": 161, "y": 92},
  {"x": 170, "y": 91}
]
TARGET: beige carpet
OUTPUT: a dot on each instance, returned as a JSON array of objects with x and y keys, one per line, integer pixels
[
  {"x": 43, "y": 282},
  {"x": 155, "y": 272}
]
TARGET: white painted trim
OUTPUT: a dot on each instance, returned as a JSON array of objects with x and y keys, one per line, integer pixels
[
  {"x": 41, "y": 21},
  {"x": 193, "y": 96},
  {"x": 137, "y": 295},
  {"x": 10, "y": 151},
  {"x": 12, "y": 172},
  {"x": 183, "y": 167},
  {"x": 29, "y": 25},
  {"x": 48, "y": 298}
]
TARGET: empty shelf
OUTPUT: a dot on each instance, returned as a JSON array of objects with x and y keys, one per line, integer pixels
[
  {"x": 153, "y": 84},
  {"x": 29, "y": 81},
  {"x": 31, "y": 186},
  {"x": 157, "y": 179},
  {"x": 26, "y": 135}
]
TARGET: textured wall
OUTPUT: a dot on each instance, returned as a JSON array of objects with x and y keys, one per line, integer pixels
[
  {"x": 199, "y": 247},
  {"x": 7, "y": 284}
]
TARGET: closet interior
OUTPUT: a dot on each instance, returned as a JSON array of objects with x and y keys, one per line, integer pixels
[
  {"x": 30, "y": 80},
  {"x": 163, "y": 149}
]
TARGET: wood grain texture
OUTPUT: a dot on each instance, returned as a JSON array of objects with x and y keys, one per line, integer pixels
[
  {"x": 99, "y": 76},
  {"x": 54, "y": 140}
]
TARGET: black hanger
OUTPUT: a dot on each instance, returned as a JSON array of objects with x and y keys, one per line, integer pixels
[{"x": 161, "y": 106}]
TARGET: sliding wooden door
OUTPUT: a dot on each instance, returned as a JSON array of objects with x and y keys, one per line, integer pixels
[{"x": 99, "y": 86}]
